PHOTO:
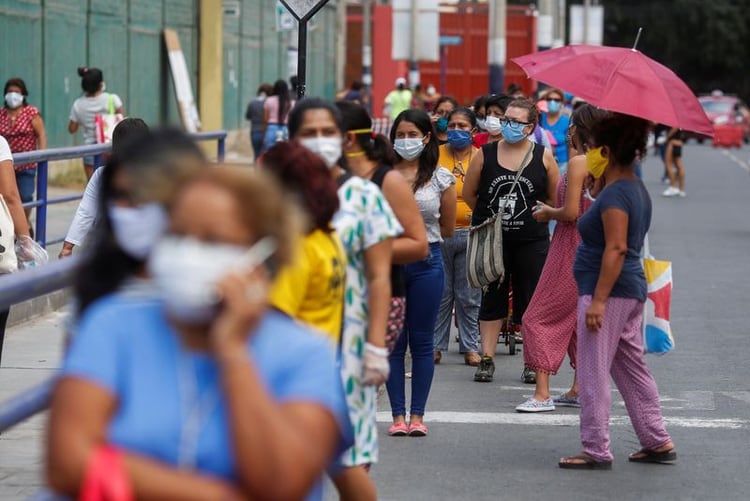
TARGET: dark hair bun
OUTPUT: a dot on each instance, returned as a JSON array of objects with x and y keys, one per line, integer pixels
[{"x": 82, "y": 70}]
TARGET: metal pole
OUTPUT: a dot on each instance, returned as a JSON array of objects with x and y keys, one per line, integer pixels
[
  {"x": 414, "y": 63},
  {"x": 497, "y": 45},
  {"x": 367, "y": 51},
  {"x": 561, "y": 28},
  {"x": 586, "y": 10},
  {"x": 41, "y": 195},
  {"x": 302, "y": 59},
  {"x": 443, "y": 67}
]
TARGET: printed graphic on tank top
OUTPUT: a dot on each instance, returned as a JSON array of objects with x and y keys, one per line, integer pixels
[{"x": 494, "y": 187}]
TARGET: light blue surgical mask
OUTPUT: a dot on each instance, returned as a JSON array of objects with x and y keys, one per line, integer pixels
[
  {"x": 553, "y": 106},
  {"x": 409, "y": 148},
  {"x": 512, "y": 131}
]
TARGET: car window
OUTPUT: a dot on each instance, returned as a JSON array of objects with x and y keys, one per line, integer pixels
[{"x": 716, "y": 107}]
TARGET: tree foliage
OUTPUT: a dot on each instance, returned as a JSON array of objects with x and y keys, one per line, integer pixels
[{"x": 706, "y": 42}]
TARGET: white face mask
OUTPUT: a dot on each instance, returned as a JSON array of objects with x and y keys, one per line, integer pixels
[
  {"x": 492, "y": 124},
  {"x": 327, "y": 148},
  {"x": 481, "y": 124},
  {"x": 137, "y": 229},
  {"x": 409, "y": 148},
  {"x": 186, "y": 270},
  {"x": 14, "y": 99}
]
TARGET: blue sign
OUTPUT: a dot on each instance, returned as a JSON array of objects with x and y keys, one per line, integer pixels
[{"x": 451, "y": 40}]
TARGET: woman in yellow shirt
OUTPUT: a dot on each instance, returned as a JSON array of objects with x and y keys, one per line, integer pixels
[
  {"x": 455, "y": 156},
  {"x": 311, "y": 289}
]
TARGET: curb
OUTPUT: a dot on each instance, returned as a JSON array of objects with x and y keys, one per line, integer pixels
[{"x": 39, "y": 306}]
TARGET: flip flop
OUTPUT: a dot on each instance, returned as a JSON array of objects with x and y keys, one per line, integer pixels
[
  {"x": 588, "y": 463},
  {"x": 417, "y": 430},
  {"x": 650, "y": 456},
  {"x": 398, "y": 430}
]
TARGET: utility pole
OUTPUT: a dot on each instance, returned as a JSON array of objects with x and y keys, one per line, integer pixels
[
  {"x": 561, "y": 27},
  {"x": 586, "y": 10},
  {"x": 414, "y": 63},
  {"x": 497, "y": 45},
  {"x": 546, "y": 31},
  {"x": 367, "y": 51}
]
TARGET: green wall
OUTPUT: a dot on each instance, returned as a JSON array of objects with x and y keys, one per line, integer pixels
[
  {"x": 255, "y": 52},
  {"x": 44, "y": 42}
]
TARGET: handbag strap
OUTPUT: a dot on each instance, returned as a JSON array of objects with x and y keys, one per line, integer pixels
[
  {"x": 111, "y": 104},
  {"x": 521, "y": 167}
]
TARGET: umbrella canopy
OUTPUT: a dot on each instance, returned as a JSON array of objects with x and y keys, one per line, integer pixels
[{"x": 620, "y": 79}]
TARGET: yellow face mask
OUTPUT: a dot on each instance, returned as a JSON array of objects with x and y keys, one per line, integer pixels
[{"x": 595, "y": 162}]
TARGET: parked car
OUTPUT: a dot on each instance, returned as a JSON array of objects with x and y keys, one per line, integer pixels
[{"x": 730, "y": 116}]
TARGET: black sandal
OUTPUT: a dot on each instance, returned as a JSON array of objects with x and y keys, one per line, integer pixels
[
  {"x": 650, "y": 456},
  {"x": 588, "y": 463}
]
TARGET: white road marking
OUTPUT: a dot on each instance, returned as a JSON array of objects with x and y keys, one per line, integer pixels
[
  {"x": 736, "y": 160},
  {"x": 552, "y": 419},
  {"x": 742, "y": 396}
]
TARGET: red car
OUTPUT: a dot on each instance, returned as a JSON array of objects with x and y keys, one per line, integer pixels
[{"x": 730, "y": 116}]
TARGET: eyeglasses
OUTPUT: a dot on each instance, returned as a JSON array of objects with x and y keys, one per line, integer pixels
[
  {"x": 554, "y": 99},
  {"x": 513, "y": 123}
]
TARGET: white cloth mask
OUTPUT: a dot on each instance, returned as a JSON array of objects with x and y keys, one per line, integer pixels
[
  {"x": 137, "y": 229},
  {"x": 492, "y": 124},
  {"x": 13, "y": 99},
  {"x": 327, "y": 148},
  {"x": 186, "y": 270},
  {"x": 409, "y": 148}
]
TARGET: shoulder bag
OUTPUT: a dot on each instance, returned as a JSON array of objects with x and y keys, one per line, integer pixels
[
  {"x": 484, "y": 250},
  {"x": 8, "y": 258}
]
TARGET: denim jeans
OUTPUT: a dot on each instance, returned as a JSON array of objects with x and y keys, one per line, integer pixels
[
  {"x": 256, "y": 138},
  {"x": 424, "y": 287},
  {"x": 457, "y": 291},
  {"x": 26, "y": 181},
  {"x": 274, "y": 134}
]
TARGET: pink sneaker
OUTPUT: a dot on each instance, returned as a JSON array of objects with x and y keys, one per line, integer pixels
[{"x": 398, "y": 430}]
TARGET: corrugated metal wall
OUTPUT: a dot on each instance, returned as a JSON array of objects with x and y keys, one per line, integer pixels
[
  {"x": 44, "y": 41},
  {"x": 255, "y": 52}
]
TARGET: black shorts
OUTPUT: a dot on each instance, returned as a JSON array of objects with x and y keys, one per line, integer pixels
[
  {"x": 523, "y": 261},
  {"x": 677, "y": 151}
]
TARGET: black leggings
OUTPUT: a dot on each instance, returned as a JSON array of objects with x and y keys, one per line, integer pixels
[
  {"x": 3, "y": 320},
  {"x": 523, "y": 261}
]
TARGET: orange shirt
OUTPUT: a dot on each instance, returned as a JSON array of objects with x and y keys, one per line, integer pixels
[{"x": 459, "y": 169}]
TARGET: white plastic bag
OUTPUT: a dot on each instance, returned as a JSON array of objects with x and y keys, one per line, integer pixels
[{"x": 30, "y": 254}]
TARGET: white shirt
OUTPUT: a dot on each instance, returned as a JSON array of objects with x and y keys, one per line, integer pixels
[
  {"x": 85, "y": 109},
  {"x": 5, "y": 153},
  {"x": 86, "y": 212}
]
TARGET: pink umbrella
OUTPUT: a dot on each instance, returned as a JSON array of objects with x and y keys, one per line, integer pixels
[{"x": 620, "y": 79}]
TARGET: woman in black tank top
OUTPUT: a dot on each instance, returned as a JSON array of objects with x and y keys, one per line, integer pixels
[{"x": 525, "y": 241}]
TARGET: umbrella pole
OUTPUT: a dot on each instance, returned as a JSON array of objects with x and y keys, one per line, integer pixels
[{"x": 637, "y": 37}]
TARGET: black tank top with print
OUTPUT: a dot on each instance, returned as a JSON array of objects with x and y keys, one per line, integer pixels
[{"x": 495, "y": 183}]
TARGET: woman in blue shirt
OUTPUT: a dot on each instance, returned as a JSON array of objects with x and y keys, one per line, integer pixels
[
  {"x": 611, "y": 293},
  {"x": 557, "y": 122},
  {"x": 183, "y": 384}
]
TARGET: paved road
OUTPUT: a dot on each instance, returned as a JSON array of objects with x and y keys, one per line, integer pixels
[{"x": 480, "y": 449}]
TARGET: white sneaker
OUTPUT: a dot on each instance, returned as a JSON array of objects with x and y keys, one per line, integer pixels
[
  {"x": 670, "y": 192},
  {"x": 532, "y": 405},
  {"x": 682, "y": 194}
]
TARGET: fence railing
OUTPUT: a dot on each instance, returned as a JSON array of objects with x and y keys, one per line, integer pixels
[
  {"x": 43, "y": 157},
  {"x": 34, "y": 282}
]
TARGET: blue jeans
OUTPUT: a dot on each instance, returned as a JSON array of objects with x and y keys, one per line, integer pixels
[
  {"x": 424, "y": 287},
  {"x": 274, "y": 134},
  {"x": 256, "y": 138},
  {"x": 457, "y": 291},
  {"x": 26, "y": 181}
]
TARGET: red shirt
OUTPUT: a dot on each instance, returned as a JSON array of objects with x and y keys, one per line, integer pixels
[
  {"x": 19, "y": 133},
  {"x": 480, "y": 139}
]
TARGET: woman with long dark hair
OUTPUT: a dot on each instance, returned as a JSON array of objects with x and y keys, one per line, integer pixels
[
  {"x": 416, "y": 147},
  {"x": 276, "y": 115},
  {"x": 371, "y": 157},
  {"x": 366, "y": 224}
]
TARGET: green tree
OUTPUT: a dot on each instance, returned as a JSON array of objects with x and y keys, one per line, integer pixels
[{"x": 707, "y": 43}]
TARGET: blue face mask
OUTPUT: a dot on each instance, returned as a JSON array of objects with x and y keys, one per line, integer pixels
[
  {"x": 459, "y": 139},
  {"x": 553, "y": 106},
  {"x": 442, "y": 124},
  {"x": 513, "y": 133}
]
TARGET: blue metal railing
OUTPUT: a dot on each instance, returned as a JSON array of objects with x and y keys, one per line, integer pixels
[
  {"x": 43, "y": 157},
  {"x": 56, "y": 275}
]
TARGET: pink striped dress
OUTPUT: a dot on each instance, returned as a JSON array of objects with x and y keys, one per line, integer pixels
[{"x": 549, "y": 324}]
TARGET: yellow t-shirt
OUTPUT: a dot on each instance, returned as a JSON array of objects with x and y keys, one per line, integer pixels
[
  {"x": 311, "y": 289},
  {"x": 459, "y": 170}
]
